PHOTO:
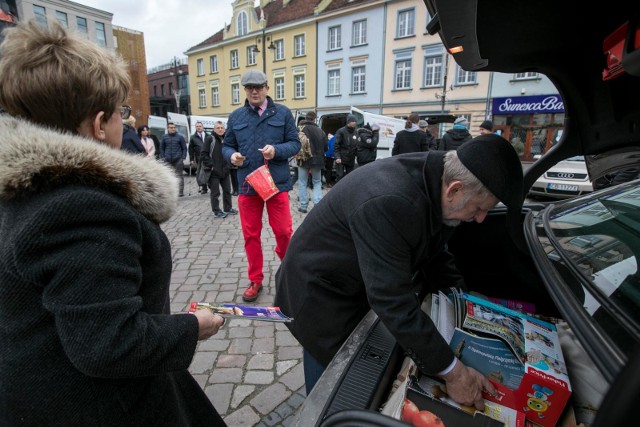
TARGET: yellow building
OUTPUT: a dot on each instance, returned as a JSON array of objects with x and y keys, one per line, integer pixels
[{"x": 278, "y": 37}]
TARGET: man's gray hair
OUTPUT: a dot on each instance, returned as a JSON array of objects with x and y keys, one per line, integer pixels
[{"x": 454, "y": 170}]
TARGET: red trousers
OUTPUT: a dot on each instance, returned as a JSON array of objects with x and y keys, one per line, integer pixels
[{"x": 279, "y": 212}]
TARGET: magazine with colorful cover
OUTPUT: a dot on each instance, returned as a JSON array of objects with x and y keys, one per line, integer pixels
[{"x": 268, "y": 314}]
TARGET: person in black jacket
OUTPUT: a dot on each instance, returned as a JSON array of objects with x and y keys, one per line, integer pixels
[
  {"x": 431, "y": 140},
  {"x": 218, "y": 172},
  {"x": 130, "y": 140},
  {"x": 359, "y": 249},
  {"x": 345, "y": 147},
  {"x": 196, "y": 142},
  {"x": 314, "y": 165},
  {"x": 456, "y": 136},
  {"x": 368, "y": 144},
  {"x": 411, "y": 139}
]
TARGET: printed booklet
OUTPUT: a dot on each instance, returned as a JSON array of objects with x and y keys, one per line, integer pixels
[{"x": 250, "y": 312}]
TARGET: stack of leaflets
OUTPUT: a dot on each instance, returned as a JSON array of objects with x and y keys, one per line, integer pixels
[
  {"x": 250, "y": 312},
  {"x": 519, "y": 353}
]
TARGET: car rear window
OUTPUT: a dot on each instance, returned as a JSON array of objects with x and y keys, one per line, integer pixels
[{"x": 598, "y": 241}]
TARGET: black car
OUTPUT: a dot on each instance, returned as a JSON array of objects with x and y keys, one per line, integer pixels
[{"x": 576, "y": 259}]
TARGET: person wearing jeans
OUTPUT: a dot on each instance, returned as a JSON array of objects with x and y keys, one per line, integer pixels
[{"x": 319, "y": 144}]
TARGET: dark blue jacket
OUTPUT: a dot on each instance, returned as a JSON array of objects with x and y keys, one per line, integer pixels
[
  {"x": 247, "y": 132},
  {"x": 131, "y": 141},
  {"x": 173, "y": 147}
]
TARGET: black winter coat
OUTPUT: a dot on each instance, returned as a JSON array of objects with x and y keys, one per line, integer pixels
[
  {"x": 87, "y": 337},
  {"x": 218, "y": 165},
  {"x": 346, "y": 145},
  {"x": 358, "y": 250},
  {"x": 195, "y": 146},
  {"x": 409, "y": 142},
  {"x": 367, "y": 150},
  {"x": 319, "y": 144},
  {"x": 454, "y": 138}
]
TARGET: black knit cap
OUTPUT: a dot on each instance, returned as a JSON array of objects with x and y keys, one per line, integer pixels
[{"x": 493, "y": 160}]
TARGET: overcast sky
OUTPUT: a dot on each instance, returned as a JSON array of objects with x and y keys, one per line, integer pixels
[{"x": 170, "y": 27}]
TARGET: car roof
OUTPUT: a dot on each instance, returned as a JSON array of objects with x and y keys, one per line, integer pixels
[{"x": 563, "y": 40}]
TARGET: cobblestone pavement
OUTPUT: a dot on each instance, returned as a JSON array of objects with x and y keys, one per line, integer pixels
[{"x": 251, "y": 370}]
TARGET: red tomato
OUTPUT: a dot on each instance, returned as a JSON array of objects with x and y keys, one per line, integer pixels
[
  {"x": 427, "y": 419},
  {"x": 409, "y": 411}
]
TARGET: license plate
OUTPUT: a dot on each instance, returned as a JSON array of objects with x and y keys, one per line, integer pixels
[{"x": 562, "y": 187}]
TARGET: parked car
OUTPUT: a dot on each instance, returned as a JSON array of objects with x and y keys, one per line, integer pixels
[
  {"x": 576, "y": 259},
  {"x": 568, "y": 178}
]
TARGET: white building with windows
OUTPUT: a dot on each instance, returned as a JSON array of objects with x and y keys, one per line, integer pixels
[{"x": 95, "y": 24}]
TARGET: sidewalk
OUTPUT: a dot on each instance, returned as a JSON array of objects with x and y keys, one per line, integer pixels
[{"x": 251, "y": 371}]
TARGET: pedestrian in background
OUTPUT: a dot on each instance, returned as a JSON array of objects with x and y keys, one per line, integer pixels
[
  {"x": 196, "y": 142},
  {"x": 367, "y": 149},
  {"x": 456, "y": 136},
  {"x": 410, "y": 139},
  {"x": 345, "y": 147},
  {"x": 423, "y": 125},
  {"x": 173, "y": 150},
  {"x": 85, "y": 268},
  {"x": 218, "y": 175},
  {"x": 130, "y": 139},
  {"x": 313, "y": 166},
  {"x": 486, "y": 127},
  {"x": 147, "y": 142},
  {"x": 328, "y": 161},
  {"x": 261, "y": 132}
]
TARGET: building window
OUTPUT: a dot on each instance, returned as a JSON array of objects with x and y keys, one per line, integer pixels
[
  {"x": 62, "y": 18},
  {"x": 465, "y": 77},
  {"x": 81, "y": 24},
  {"x": 215, "y": 96},
  {"x": 235, "y": 93},
  {"x": 335, "y": 38},
  {"x": 359, "y": 33},
  {"x": 298, "y": 83},
  {"x": 162, "y": 90},
  {"x": 279, "y": 88},
  {"x": 40, "y": 15},
  {"x": 403, "y": 74},
  {"x": 251, "y": 55},
  {"x": 101, "y": 34},
  {"x": 213, "y": 63},
  {"x": 406, "y": 23},
  {"x": 526, "y": 76},
  {"x": 334, "y": 82},
  {"x": 279, "y": 53},
  {"x": 202, "y": 98},
  {"x": 433, "y": 67},
  {"x": 200, "y": 66},
  {"x": 358, "y": 74},
  {"x": 170, "y": 87},
  {"x": 241, "y": 24},
  {"x": 235, "y": 62},
  {"x": 299, "y": 45}
]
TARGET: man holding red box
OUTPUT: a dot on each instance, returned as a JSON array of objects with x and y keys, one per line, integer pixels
[{"x": 258, "y": 133}]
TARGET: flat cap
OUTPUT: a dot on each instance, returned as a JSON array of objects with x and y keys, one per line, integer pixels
[
  {"x": 254, "y": 77},
  {"x": 423, "y": 124}
]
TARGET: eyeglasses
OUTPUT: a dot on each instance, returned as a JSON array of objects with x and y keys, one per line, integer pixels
[
  {"x": 125, "y": 112},
  {"x": 251, "y": 88}
]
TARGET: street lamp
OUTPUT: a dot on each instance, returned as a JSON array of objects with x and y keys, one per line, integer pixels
[
  {"x": 177, "y": 92},
  {"x": 263, "y": 40}
]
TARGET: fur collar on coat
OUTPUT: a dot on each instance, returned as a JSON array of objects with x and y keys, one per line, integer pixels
[{"x": 34, "y": 159}]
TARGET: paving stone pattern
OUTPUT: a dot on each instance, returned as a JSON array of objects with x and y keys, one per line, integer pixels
[{"x": 251, "y": 370}]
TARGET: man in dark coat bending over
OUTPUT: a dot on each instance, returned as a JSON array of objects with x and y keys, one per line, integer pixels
[{"x": 359, "y": 249}]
